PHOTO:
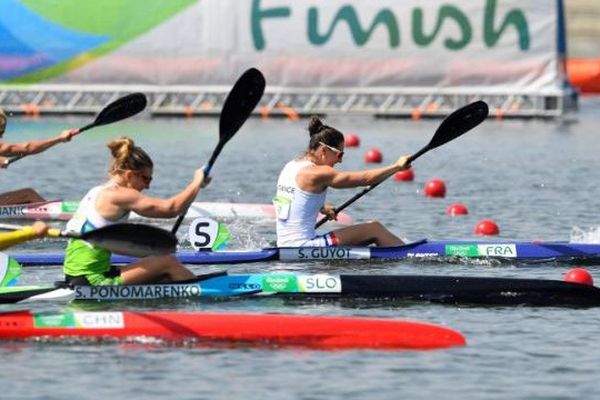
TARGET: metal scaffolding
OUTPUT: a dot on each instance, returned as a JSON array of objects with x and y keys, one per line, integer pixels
[{"x": 288, "y": 102}]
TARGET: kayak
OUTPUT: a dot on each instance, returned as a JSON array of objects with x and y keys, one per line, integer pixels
[
  {"x": 435, "y": 250},
  {"x": 382, "y": 288},
  {"x": 45, "y": 210},
  {"x": 269, "y": 330},
  {"x": 63, "y": 210}
]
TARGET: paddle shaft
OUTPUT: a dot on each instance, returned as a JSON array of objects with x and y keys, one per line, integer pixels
[{"x": 207, "y": 169}]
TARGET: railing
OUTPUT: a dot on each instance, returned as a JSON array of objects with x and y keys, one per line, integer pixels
[{"x": 288, "y": 102}]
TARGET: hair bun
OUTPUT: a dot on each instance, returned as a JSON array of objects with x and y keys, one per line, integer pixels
[
  {"x": 120, "y": 148},
  {"x": 315, "y": 125}
]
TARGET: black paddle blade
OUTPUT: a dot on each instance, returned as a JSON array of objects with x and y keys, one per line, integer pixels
[
  {"x": 460, "y": 121},
  {"x": 121, "y": 108},
  {"x": 135, "y": 240},
  {"x": 240, "y": 102}
]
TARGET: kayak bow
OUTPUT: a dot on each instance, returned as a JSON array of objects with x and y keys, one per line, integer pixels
[{"x": 315, "y": 332}]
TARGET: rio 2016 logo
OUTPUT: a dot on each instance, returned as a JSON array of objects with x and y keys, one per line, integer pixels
[{"x": 59, "y": 39}]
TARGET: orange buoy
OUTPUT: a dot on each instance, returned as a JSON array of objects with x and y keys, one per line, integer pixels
[
  {"x": 373, "y": 156},
  {"x": 579, "y": 275},
  {"x": 351, "y": 140},
  {"x": 407, "y": 175},
  {"x": 487, "y": 227},
  {"x": 289, "y": 112},
  {"x": 435, "y": 188},
  {"x": 457, "y": 209},
  {"x": 264, "y": 112},
  {"x": 584, "y": 74},
  {"x": 416, "y": 114}
]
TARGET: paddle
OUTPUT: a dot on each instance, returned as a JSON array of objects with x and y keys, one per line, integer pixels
[
  {"x": 118, "y": 110},
  {"x": 241, "y": 100},
  {"x": 135, "y": 240},
  {"x": 456, "y": 124}
]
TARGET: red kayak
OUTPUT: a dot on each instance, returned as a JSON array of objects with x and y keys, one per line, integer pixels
[{"x": 315, "y": 332}]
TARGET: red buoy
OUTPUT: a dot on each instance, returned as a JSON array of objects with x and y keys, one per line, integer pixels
[
  {"x": 487, "y": 227},
  {"x": 457, "y": 209},
  {"x": 407, "y": 175},
  {"x": 579, "y": 275},
  {"x": 373, "y": 156},
  {"x": 351, "y": 140},
  {"x": 435, "y": 188}
]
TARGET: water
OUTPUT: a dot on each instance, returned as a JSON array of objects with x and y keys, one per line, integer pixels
[{"x": 536, "y": 179}]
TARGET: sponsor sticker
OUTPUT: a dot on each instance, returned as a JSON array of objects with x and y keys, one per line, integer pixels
[
  {"x": 320, "y": 283},
  {"x": 85, "y": 320},
  {"x": 324, "y": 253},
  {"x": 508, "y": 250},
  {"x": 280, "y": 283},
  {"x": 69, "y": 206}
]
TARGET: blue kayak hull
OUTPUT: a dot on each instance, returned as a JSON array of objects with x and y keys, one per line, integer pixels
[{"x": 510, "y": 251}]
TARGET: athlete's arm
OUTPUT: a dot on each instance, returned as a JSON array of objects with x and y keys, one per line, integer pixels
[
  {"x": 34, "y": 146},
  {"x": 152, "y": 207},
  {"x": 317, "y": 178}
]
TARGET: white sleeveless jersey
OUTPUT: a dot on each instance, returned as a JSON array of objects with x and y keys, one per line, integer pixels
[
  {"x": 87, "y": 218},
  {"x": 296, "y": 209}
]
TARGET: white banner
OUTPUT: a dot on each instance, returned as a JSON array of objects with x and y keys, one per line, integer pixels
[{"x": 344, "y": 43}]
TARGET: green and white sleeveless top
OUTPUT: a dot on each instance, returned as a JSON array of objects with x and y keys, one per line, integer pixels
[{"x": 83, "y": 258}]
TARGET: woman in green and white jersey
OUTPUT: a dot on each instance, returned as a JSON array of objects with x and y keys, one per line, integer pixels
[{"x": 130, "y": 173}]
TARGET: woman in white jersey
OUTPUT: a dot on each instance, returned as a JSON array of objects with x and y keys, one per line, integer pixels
[
  {"x": 302, "y": 187},
  {"x": 130, "y": 173}
]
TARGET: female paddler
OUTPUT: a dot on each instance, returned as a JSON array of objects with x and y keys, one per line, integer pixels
[
  {"x": 302, "y": 187},
  {"x": 130, "y": 173},
  {"x": 30, "y": 147}
]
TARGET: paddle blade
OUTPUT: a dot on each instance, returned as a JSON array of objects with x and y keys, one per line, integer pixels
[
  {"x": 121, "y": 108},
  {"x": 240, "y": 102},
  {"x": 459, "y": 122},
  {"x": 135, "y": 240}
]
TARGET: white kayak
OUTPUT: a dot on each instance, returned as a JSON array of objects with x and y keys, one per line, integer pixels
[{"x": 63, "y": 210}]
